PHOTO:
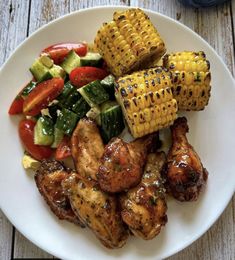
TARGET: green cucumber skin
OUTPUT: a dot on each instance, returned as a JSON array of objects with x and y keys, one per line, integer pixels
[
  {"x": 38, "y": 70},
  {"x": 42, "y": 72},
  {"x": 66, "y": 121},
  {"x": 108, "y": 85},
  {"x": 81, "y": 107},
  {"x": 72, "y": 99},
  {"x": 111, "y": 122},
  {"x": 53, "y": 112},
  {"x": 67, "y": 90},
  {"x": 69, "y": 96},
  {"x": 71, "y": 62},
  {"x": 94, "y": 93},
  {"x": 27, "y": 89},
  {"x": 92, "y": 60},
  {"x": 44, "y": 131},
  {"x": 58, "y": 137},
  {"x": 91, "y": 63}
]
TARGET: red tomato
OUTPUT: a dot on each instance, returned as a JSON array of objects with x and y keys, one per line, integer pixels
[
  {"x": 59, "y": 51},
  {"x": 63, "y": 150},
  {"x": 26, "y": 133},
  {"x": 42, "y": 95},
  {"x": 16, "y": 106},
  {"x": 83, "y": 75}
]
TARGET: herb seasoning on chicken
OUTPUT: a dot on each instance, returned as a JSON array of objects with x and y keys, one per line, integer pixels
[
  {"x": 144, "y": 206},
  {"x": 97, "y": 210},
  {"x": 122, "y": 163}
]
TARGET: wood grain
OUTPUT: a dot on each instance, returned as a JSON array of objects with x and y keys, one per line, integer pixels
[
  {"x": 13, "y": 30},
  {"x": 6, "y": 231},
  {"x": 76, "y": 5},
  {"x": 20, "y": 18},
  {"x": 23, "y": 248}
]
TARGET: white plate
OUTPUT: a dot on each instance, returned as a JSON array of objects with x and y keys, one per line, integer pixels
[{"x": 211, "y": 133}]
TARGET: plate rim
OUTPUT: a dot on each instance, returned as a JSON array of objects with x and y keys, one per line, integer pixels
[{"x": 74, "y": 13}]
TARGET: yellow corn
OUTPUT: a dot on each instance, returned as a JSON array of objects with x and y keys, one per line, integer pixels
[
  {"x": 146, "y": 100},
  {"x": 191, "y": 73},
  {"x": 128, "y": 41}
]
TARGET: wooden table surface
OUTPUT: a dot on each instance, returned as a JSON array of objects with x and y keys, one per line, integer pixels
[{"x": 20, "y": 18}]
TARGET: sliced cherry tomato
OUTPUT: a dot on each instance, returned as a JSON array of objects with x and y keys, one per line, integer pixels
[
  {"x": 42, "y": 95},
  {"x": 83, "y": 75},
  {"x": 16, "y": 106},
  {"x": 26, "y": 133},
  {"x": 59, "y": 51},
  {"x": 63, "y": 150}
]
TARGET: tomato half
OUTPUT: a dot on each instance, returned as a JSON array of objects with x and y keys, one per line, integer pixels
[
  {"x": 16, "y": 106},
  {"x": 42, "y": 95},
  {"x": 83, "y": 75},
  {"x": 58, "y": 52},
  {"x": 26, "y": 133},
  {"x": 63, "y": 150}
]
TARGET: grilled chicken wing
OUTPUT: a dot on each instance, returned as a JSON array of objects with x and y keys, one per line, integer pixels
[
  {"x": 87, "y": 148},
  {"x": 97, "y": 210},
  {"x": 144, "y": 206},
  {"x": 122, "y": 163},
  {"x": 48, "y": 179},
  {"x": 184, "y": 172}
]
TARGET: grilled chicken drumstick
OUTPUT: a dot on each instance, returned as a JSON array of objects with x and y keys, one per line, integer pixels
[
  {"x": 122, "y": 163},
  {"x": 184, "y": 172},
  {"x": 144, "y": 206},
  {"x": 97, "y": 209},
  {"x": 48, "y": 179}
]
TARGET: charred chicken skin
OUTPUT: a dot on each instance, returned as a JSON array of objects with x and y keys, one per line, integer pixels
[
  {"x": 48, "y": 179},
  {"x": 122, "y": 163},
  {"x": 184, "y": 173},
  {"x": 97, "y": 210},
  {"x": 144, "y": 206},
  {"x": 87, "y": 148}
]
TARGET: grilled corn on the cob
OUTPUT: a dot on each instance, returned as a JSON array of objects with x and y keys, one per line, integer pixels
[
  {"x": 191, "y": 79},
  {"x": 147, "y": 101},
  {"x": 128, "y": 40}
]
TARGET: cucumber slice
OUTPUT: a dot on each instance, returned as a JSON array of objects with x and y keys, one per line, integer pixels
[
  {"x": 39, "y": 70},
  {"x": 94, "y": 113},
  {"x": 67, "y": 90},
  {"x": 53, "y": 112},
  {"x": 46, "y": 61},
  {"x": 111, "y": 119},
  {"x": 57, "y": 71},
  {"x": 44, "y": 131},
  {"x": 43, "y": 72},
  {"x": 66, "y": 121},
  {"x": 69, "y": 96},
  {"x": 72, "y": 99},
  {"x": 58, "y": 136},
  {"x": 27, "y": 89},
  {"x": 108, "y": 84},
  {"x": 71, "y": 62},
  {"x": 81, "y": 107},
  {"x": 94, "y": 93},
  {"x": 92, "y": 59}
]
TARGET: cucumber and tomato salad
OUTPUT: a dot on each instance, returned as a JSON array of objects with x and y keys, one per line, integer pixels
[{"x": 68, "y": 83}]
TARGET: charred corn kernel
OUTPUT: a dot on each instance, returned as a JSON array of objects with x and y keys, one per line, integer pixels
[
  {"x": 146, "y": 100},
  {"x": 129, "y": 41},
  {"x": 191, "y": 77}
]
